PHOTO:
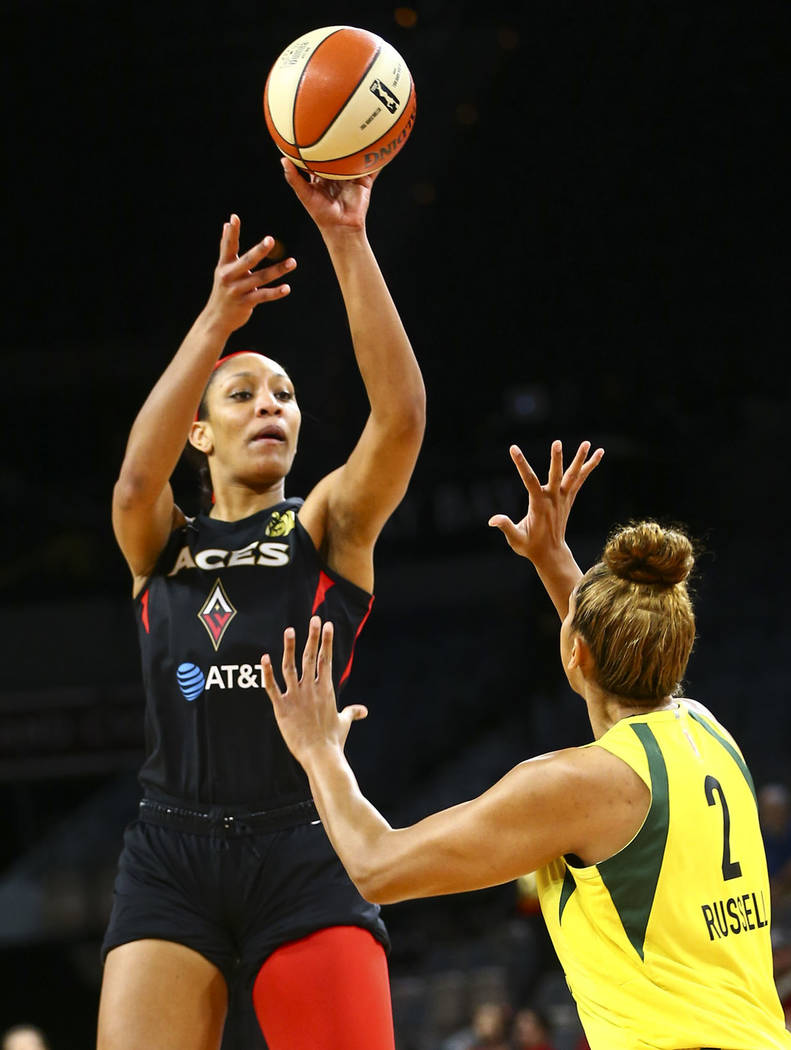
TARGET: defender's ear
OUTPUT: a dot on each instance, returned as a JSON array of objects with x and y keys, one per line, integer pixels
[{"x": 580, "y": 656}]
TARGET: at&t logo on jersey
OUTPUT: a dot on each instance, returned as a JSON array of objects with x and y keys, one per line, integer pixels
[{"x": 192, "y": 681}]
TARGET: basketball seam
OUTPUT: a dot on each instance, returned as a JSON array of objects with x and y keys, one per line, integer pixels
[
  {"x": 299, "y": 85},
  {"x": 363, "y": 75}
]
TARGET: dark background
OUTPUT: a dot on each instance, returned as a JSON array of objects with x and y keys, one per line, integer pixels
[{"x": 587, "y": 237}]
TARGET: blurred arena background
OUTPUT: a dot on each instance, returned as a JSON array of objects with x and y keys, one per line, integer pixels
[{"x": 587, "y": 236}]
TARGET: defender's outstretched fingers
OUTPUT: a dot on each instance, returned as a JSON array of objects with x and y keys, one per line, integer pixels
[
  {"x": 580, "y": 467},
  {"x": 324, "y": 667},
  {"x": 579, "y": 458},
  {"x": 555, "y": 476},
  {"x": 311, "y": 649},
  {"x": 289, "y": 664},
  {"x": 572, "y": 479},
  {"x": 526, "y": 472},
  {"x": 591, "y": 464},
  {"x": 353, "y": 713},
  {"x": 270, "y": 683},
  {"x": 508, "y": 528}
]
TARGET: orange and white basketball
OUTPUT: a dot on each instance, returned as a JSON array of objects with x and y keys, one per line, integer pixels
[{"x": 340, "y": 102}]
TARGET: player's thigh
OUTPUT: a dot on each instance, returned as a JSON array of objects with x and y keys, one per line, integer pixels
[
  {"x": 161, "y": 996},
  {"x": 327, "y": 991}
]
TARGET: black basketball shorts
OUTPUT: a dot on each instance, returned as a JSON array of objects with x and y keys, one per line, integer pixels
[{"x": 234, "y": 899}]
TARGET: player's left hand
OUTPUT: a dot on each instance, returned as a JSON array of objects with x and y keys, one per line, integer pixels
[
  {"x": 542, "y": 531},
  {"x": 331, "y": 203},
  {"x": 307, "y": 713}
]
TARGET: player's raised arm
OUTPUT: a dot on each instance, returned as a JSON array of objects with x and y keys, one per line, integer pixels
[
  {"x": 346, "y": 511},
  {"x": 541, "y": 535},
  {"x": 143, "y": 509}
]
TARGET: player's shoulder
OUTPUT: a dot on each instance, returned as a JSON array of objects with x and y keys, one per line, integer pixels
[
  {"x": 702, "y": 713},
  {"x": 584, "y": 768},
  {"x": 697, "y": 708}
]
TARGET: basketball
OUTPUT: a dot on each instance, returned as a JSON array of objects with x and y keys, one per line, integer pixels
[{"x": 339, "y": 102}]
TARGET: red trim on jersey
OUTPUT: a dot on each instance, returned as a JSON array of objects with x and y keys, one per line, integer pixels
[
  {"x": 346, "y": 673},
  {"x": 144, "y": 610},
  {"x": 322, "y": 587}
]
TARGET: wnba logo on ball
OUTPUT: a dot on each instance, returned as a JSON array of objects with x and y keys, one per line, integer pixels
[
  {"x": 385, "y": 95},
  {"x": 191, "y": 681}
]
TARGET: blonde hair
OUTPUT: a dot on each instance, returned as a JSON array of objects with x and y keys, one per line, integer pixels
[{"x": 634, "y": 611}]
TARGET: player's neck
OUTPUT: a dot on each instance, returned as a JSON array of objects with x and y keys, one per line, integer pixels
[
  {"x": 606, "y": 709},
  {"x": 234, "y": 502}
]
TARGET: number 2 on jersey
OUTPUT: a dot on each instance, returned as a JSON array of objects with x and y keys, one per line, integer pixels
[{"x": 731, "y": 869}]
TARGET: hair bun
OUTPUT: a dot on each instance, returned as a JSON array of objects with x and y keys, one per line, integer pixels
[{"x": 648, "y": 553}]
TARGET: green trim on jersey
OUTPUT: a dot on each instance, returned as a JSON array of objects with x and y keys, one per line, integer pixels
[
  {"x": 737, "y": 758},
  {"x": 569, "y": 885},
  {"x": 631, "y": 876}
]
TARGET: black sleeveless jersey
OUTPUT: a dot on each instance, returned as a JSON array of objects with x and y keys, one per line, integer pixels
[{"x": 222, "y": 594}]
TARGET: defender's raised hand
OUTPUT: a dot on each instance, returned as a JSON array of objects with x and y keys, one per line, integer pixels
[
  {"x": 543, "y": 528},
  {"x": 541, "y": 535},
  {"x": 307, "y": 713}
]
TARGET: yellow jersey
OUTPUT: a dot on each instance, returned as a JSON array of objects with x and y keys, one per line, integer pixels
[{"x": 665, "y": 945}]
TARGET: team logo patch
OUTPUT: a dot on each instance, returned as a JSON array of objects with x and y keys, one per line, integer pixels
[
  {"x": 216, "y": 614},
  {"x": 279, "y": 524},
  {"x": 191, "y": 681}
]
